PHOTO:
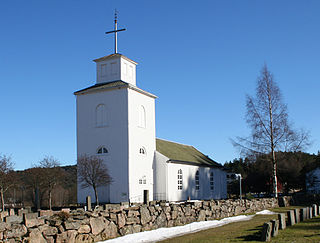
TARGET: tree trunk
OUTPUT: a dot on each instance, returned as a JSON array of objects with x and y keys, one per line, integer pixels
[
  {"x": 96, "y": 195},
  {"x": 2, "y": 199}
]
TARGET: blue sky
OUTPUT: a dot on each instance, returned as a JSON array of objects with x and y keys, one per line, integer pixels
[{"x": 199, "y": 57}]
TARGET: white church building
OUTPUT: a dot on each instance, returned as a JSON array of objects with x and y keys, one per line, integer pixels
[{"x": 116, "y": 121}]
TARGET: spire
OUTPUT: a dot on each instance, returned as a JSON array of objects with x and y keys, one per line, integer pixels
[{"x": 115, "y": 31}]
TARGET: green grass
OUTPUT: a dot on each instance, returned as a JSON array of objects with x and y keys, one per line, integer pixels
[{"x": 249, "y": 231}]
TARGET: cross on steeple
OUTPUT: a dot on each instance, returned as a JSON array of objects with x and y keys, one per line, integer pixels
[{"x": 115, "y": 31}]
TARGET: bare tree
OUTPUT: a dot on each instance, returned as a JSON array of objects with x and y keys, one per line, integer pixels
[
  {"x": 92, "y": 172},
  {"x": 6, "y": 176},
  {"x": 267, "y": 117},
  {"x": 51, "y": 175}
]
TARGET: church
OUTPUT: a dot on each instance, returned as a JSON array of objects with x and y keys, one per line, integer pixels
[{"x": 116, "y": 121}]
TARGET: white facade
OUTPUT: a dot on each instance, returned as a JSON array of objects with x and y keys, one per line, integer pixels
[
  {"x": 116, "y": 121},
  {"x": 179, "y": 181},
  {"x": 116, "y": 67}
]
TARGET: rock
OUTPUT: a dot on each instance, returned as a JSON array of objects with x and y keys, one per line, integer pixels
[
  {"x": 121, "y": 220},
  {"x": 4, "y": 226},
  {"x": 136, "y": 228},
  {"x": 291, "y": 218},
  {"x": 16, "y": 230},
  {"x": 110, "y": 231},
  {"x": 275, "y": 227},
  {"x": 14, "y": 219},
  {"x": 97, "y": 225},
  {"x": 202, "y": 215},
  {"x": 36, "y": 236},
  {"x": 67, "y": 237},
  {"x": 161, "y": 221},
  {"x": 126, "y": 230},
  {"x": 145, "y": 215},
  {"x": 32, "y": 220},
  {"x": 48, "y": 230},
  {"x": 46, "y": 213},
  {"x": 83, "y": 238},
  {"x": 133, "y": 220},
  {"x": 282, "y": 221},
  {"x": 84, "y": 229},
  {"x": 71, "y": 225},
  {"x": 266, "y": 232}
]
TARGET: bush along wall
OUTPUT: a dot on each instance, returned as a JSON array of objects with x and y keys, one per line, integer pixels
[{"x": 115, "y": 220}]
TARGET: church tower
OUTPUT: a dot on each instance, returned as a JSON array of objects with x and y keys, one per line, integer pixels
[{"x": 116, "y": 121}]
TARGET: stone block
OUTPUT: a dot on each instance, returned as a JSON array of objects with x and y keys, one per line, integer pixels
[
  {"x": 282, "y": 221},
  {"x": 14, "y": 219},
  {"x": 84, "y": 229},
  {"x": 314, "y": 210},
  {"x": 35, "y": 236},
  {"x": 97, "y": 225},
  {"x": 275, "y": 227},
  {"x": 16, "y": 230},
  {"x": 125, "y": 204},
  {"x": 45, "y": 213},
  {"x": 11, "y": 211},
  {"x": 266, "y": 231},
  {"x": 22, "y": 211},
  {"x": 88, "y": 203},
  {"x": 32, "y": 220},
  {"x": 303, "y": 214},
  {"x": 71, "y": 225},
  {"x": 48, "y": 230},
  {"x": 310, "y": 213},
  {"x": 297, "y": 215},
  {"x": 291, "y": 217}
]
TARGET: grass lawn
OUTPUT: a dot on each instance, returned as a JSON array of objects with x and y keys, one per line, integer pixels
[{"x": 249, "y": 231}]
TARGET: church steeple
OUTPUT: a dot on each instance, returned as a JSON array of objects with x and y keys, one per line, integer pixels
[{"x": 116, "y": 67}]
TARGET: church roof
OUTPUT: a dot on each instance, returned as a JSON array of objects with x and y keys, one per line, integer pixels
[
  {"x": 184, "y": 154},
  {"x": 112, "y": 85},
  {"x": 113, "y": 56}
]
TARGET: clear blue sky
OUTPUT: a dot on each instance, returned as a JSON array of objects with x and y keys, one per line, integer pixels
[{"x": 199, "y": 57}]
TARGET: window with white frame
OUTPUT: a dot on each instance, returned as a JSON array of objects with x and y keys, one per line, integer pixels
[
  {"x": 211, "y": 181},
  {"x": 197, "y": 180},
  {"x": 180, "y": 179},
  {"x": 102, "y": 150}
]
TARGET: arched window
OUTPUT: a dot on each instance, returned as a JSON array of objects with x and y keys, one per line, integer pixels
[
  {"x": 102, "y": 150},
  {"x": 142, "y": 116},
  {"x": 142, "y": 151},
  {"x": 197, "y": 180},
  {"x": 180, "y": 179},
  {"x": 211, "y": 181},
  {"x": 101, "y": 115}
]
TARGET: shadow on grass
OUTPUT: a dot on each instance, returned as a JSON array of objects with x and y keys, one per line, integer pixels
[{"x": 256, "y": 236}]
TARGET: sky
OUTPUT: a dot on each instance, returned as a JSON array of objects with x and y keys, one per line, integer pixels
[{"x": 200, "y": 58}]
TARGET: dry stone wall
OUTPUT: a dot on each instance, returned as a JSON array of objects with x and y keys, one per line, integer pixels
[{"x": 114, "y": 220}]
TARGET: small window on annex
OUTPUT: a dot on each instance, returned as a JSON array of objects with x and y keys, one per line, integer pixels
[
  {"x": 102, "y": 150},
  {"x": 211, "y": 181},
  {"x": 143, "y": 180},
  {"x": 142, "y": 117},
  {"x": 180, "y": 179},
  {"x": 197, "y": 180},
  {"x": 142, "y": 151},
  {"x": 101, "y": 115}
]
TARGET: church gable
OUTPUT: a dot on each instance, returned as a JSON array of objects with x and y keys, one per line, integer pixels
[{"x": 185, "y": 154}]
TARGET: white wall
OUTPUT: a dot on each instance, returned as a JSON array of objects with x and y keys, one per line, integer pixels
[
  {"x": 114, "y": 136},
  {"x": 160, "y": 176},
  {"x": 189, "y": 187},
  {"x": 140, "y": 165},
  {"x": 114, "y": 68}
]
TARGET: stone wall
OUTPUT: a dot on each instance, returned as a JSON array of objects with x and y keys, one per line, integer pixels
[{"x": 116, "y": 220}]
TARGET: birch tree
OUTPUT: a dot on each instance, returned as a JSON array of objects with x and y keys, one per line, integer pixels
[
  {"x": 6, "y": 176},
  {"x": 267, "y": 117}
]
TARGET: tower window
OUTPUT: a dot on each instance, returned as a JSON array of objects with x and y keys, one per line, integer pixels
[
  {"x": 142, "y": 150},
  {"x": 142, "y": 117},
  {"x": 180, "y": 179},
  {"x": 197, "y": 180},
  {"x": 101, "y": 115},
  {"x": 102, "y": 150},
  {"x": 211, "y": 181}
]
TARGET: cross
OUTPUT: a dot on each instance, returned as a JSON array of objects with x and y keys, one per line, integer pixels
[{"x": 115, "y": 31}]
